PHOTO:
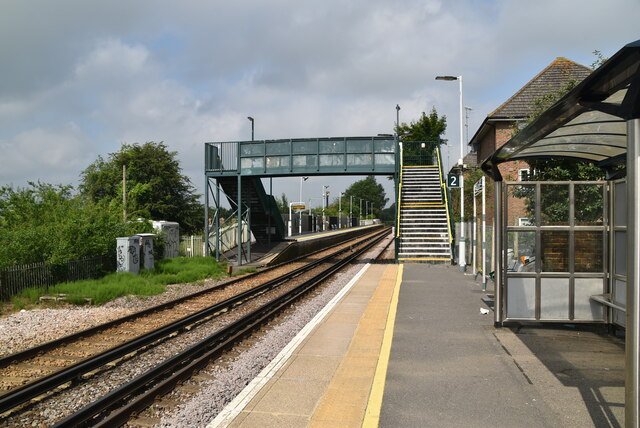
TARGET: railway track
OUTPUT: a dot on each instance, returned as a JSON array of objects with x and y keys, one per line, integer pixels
[{"x": 184, "y": 314}]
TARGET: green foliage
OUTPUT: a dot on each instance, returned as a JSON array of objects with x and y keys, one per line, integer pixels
[
  {"x": 471, "y": 176},
  {"x": 429, "y": 129},
  {"x": 48, "y": 223},
  {"x": 600, "y": 59},
  {"x": 283, "y": 204},
  {"x": 168, "y": 271},
  {"x": 156, "y": 188},
  {"x": 368, "y": 189}
]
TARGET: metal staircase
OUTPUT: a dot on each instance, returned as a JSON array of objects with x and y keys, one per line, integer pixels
[{"x": 423, "y": 220}]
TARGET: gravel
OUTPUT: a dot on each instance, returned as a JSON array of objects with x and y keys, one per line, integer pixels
[
  {"x": 197, "y": 410},
  {"x": 226, "y": 379},
  {"x": 26, "y": 329}
]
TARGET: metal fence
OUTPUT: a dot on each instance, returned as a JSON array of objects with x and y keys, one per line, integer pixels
[
  {"x": 16, "y": 278},
  {"x": 191, "y": 246}
]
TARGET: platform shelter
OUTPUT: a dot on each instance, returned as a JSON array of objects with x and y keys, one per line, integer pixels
[{"x": 597, "y": 121}]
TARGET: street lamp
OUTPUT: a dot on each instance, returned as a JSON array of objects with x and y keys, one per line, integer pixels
[
  {"x": 340, "y": 210},
  {"x": 461, "y": 256},
  {"x": 251, "y": 119},
  {"x": 302, "y": 180},
  {"x": 324, "y": 194},
  {"x": 350, "y": 211},
  {"x": 397, "y": 118}
]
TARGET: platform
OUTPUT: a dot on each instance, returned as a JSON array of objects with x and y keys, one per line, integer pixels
[{"x": 407, "y": 345}]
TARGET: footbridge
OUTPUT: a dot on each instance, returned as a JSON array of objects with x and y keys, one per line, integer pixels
[{"x": 235, "y": 169}]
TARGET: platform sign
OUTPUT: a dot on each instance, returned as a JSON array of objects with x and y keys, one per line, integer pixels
[
  {"x": 453, "y": 180},
  {"x": 297, "y": 207},
  {"x": 478, "y": 187}
]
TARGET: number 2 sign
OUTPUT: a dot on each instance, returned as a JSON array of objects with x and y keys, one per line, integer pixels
[{"x": 453, "y": 180}]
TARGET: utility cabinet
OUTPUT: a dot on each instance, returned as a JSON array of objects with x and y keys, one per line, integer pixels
[
  {"x": 171, "y": 230},
  {"x": 128, "y": 254}
]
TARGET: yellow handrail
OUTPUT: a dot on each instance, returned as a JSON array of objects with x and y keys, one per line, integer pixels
[
  {"x": 444, "y": 192},
  {"x": 399, "y": 195}
]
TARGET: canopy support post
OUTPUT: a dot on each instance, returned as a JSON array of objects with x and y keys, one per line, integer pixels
[{"x": 632, "y": 361}]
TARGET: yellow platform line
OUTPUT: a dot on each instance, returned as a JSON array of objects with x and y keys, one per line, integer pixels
[{"x": 374, "y": 406}]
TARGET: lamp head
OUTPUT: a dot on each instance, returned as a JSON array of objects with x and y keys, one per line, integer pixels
[
  {"x": 446, "y": 78},
  {"x": 250, "y": 118}
]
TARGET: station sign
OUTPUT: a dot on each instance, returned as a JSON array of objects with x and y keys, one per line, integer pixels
[
  {"x": 297, "y": 207},
  {"x": 453, "y": 180}
]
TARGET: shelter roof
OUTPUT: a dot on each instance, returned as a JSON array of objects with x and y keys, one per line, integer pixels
[{"x": 588, "y": 123}]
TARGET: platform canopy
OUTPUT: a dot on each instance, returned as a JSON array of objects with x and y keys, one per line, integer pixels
[
  {"x": 588, "y": 123},
  {"x": 598, "y": 121}
]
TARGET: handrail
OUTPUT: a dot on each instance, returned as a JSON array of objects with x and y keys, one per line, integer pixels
[
  {"x": 399, "y": 195},
  {"x": 446, "y": 199}
]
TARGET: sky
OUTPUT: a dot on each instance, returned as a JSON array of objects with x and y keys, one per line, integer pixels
[{"x": 80, "y": 78}]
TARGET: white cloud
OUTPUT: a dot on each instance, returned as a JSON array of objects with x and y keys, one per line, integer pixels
[
  {"x": 50, "y": 155},
  {"x": 192, "y": 72}
]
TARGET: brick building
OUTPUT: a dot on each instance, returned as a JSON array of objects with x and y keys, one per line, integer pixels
[{"x": 501, "y": 124}]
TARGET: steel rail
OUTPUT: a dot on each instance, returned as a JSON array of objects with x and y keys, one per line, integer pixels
[
  {"x": 31, "y": 352},
  {"x": 41, "y": 386},
  {"x": 194, "y": 358}
]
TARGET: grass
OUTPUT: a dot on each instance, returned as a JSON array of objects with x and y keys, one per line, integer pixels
[{"x": 147, "y": 283}]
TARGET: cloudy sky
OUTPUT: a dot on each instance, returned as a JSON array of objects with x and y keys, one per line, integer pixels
[{"x": 79, "y": 78}]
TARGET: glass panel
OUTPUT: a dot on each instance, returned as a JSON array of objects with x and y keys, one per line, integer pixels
[
  {"x": 586, "y": 309},
  {"x": 588, "y": 251},
  {"x": 384, "y": 146},
  {"x": 306, "y": 161},
  {"x": 554, "y": 204},
  {"x": 521, "y": 205},
  {"x": 385, "y": 159},
  {"x": 363, "y": 159},
  {"x": 620, "y": 205},
  {"x": 251, "y": 163},
  {"x": 620, "y": 255},
  {"x": 620, "y": 293},
  {"x": 277, "y": 162},
  {"x": 309, "y": 147},
  {"x": 359, "y": 146},
  {"x": 554, "y": 298},
  {"x": 555, "y": 251},
  {"x": 332, "y": 160},
  {"x": 521, "y": 297},
  {"x": 331, "y": 146},
  {"x": 251, "y": 149},
  {"x": 589, "y": 205},
  {"x": 279, "y": 148},
  {"x": 521, "y": 251}
]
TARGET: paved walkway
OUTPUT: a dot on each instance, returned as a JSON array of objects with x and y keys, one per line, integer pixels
[
  {"x": 436, "y": 362},
  {"x": 450, "y": 367}
]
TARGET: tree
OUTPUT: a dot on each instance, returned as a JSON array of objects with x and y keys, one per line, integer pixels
[
  {"x": 429, "y": 128},
  {"x": 48, "y": 223},
  {"x": 555, "y": 199},
  {"x": 283, "y": 204},
  {"x": 156, "y": 187},
  {"x": 368, "y": 189}
]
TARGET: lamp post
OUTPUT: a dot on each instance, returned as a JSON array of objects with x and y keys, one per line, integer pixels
[
  {"x": 340, "y": 210},
  {"x": 462, "y": 247},
  {"x": 302, "y": 180},
  {"x": 251, "y": 119},
  {"x": 397, "y": 118},
  {"x": 324, "y": 193},
  {"x": 350, "y": 210}
]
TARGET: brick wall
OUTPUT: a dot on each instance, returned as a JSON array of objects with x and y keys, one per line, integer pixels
[{"x": 588, "y": 251}]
